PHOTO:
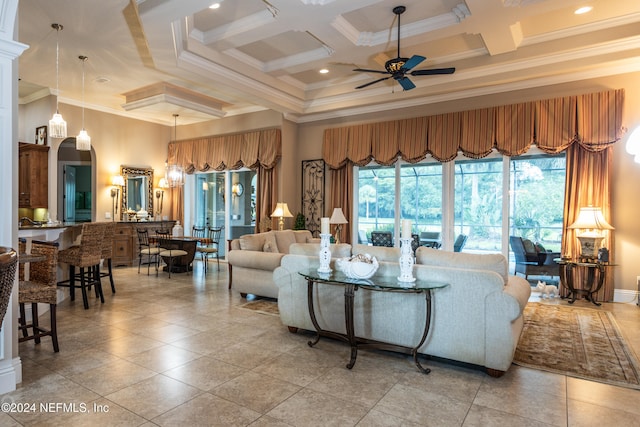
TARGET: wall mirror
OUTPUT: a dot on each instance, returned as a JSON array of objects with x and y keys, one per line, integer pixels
[{"x": 137, "y": 192}]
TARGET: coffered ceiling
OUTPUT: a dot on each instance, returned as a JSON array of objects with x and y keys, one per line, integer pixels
[{"x": 149, "y": 59}]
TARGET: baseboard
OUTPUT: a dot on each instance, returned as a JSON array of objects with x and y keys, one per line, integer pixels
[
  {"x": 10, "y": 375},
  {"x": 625, "y": 296}
]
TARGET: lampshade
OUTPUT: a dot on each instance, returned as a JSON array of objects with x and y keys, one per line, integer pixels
[
  {"x": 338, "y": 217},
  {"x": 282, "y": 211},
  {"x": 591, "y": 218},
  {"x": 117, "y": 180},
  {"x": 163, "y": 183}
]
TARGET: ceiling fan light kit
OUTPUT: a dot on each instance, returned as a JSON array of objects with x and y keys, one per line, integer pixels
[{"x": 398, "y": 67}]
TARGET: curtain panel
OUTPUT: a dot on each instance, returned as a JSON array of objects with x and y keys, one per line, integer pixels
[
  {"x": 593, "y": 120},
  {"x": 256, "y": 149}
]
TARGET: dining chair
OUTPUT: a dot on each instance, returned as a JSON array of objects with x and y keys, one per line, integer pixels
[
  {"x": 146, "y": 248},
  {"x": 40, "y": 289},
  {"x": 211, "y": 247},
  {"x": 85, "y": 256},
  {"x": 168, "y": 251},
  {"x": 8, "y": 263}
]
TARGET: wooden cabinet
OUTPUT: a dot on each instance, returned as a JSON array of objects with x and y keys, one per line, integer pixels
[
  {"x": 125, "y": 240},
  {"x": 33, "y": 176}
]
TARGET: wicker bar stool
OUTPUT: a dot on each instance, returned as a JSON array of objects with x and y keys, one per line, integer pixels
[
  {"x": 86, "y": 257},
  {"x": 40, "y": 288},
  {"x": 8, "y": 263},
  {"x": 107, "y": 252}
]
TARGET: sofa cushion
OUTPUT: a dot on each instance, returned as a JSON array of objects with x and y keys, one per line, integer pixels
[
  {"x": 381, "y": 253},
  {"x": 252, "y": 242},
  {"x": 464, "y": 261},
  {"x": 302, "y": 236},
  {"x": 284, "y": 239},
  {"x": 269, "y": 247}
]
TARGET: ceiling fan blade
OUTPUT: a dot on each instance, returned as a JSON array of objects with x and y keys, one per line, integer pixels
[
  {"x": 433, "y": 71},
  {"x": 365, "y": 70},
  {"x": 406, "y": 83},
  {"x": 370, "y": 83},
  {"x": 413, "y": 61}
]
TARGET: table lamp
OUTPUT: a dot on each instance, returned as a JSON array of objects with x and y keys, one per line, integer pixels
[
  {"x": 338, "y": 218},
  {"x": 592, "y": 221},
  {"x": 281, "y": 211}
]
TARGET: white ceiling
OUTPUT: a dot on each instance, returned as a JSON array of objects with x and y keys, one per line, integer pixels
[{"x": 149, "y": 59}]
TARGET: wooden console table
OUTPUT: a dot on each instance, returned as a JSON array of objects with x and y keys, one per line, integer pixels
[{"x": 380, "y": 284}]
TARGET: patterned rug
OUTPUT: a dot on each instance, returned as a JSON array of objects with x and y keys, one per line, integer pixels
[
  {"x": 578, "y": 342},
  {"x": 263, "y": 306}
]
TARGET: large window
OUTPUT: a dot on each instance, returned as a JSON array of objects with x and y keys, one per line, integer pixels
[{"x": 486, "y": 199}]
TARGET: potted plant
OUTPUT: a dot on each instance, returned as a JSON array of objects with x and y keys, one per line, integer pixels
[{"x": 300, "y": 223}]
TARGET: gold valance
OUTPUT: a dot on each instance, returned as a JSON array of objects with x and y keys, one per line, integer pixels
[
  {"x": 261, "y": 148},
  {"x": 593, "y": 120}
]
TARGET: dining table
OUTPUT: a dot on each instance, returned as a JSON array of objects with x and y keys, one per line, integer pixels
[{"x": 188, "y": 244}]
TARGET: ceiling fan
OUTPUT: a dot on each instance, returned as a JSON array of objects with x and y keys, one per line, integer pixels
[{"x": 397, "y": 68}]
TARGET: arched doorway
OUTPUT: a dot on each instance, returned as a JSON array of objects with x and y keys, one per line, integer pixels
[{"x": 76, "y": 183}]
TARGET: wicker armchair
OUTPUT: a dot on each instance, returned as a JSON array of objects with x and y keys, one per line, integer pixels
[
  {"x": 381, "y": 238},
  {"x": 40, "y": 288},
  {"x": 86, "y": 256},
  {"x": 8, "y": 262}
]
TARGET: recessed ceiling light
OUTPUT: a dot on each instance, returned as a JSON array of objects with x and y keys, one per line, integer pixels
[
  {"x": 323, "y": 71},
  {"x": 214, "y": 6},
  {"x": 584, "y": 9}
]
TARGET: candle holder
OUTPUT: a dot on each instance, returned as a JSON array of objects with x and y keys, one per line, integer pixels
[
  {"x": 406, "y": 261},
  {"x": 325, "y": 253}
]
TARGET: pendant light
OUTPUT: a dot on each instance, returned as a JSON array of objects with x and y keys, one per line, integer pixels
[
  {"x": 83, "y": 140},
  {"x": 57, "y": 125},
  {"x": 174, "y": 173}
]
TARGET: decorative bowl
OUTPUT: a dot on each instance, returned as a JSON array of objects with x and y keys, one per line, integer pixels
[
  {"x": 361, "y": 266},
  {"x": 142, "y": 215}
]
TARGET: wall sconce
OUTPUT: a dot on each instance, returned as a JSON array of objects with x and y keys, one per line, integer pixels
[
  {"x": 160, "y": 195},
  {"x": 237, "y": 189},
  {"x": 282, "y": 212},
  {"x": 117, "y": 181},
  {"x": 592, "y": 221},
  {"x": 338, "y": 218}
]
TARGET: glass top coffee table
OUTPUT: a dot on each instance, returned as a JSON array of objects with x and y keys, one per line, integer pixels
[{"x": 376, "y": 283}]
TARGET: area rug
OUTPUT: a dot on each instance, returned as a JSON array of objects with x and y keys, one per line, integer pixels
[
  {"x": 578, "y": 342},
  {"x": 262, "y": 306}
]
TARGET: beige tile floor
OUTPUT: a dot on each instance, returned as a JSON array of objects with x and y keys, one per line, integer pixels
[{"x": 183, "y": 352}]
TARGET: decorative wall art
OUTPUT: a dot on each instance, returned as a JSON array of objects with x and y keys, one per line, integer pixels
[
  {"x": 41, "y": 135},
  {"x": 313, "y": 194}
]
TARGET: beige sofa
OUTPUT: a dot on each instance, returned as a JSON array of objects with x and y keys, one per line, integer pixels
[
  {"x": 477, "y": 318},
  {"x": 253, "y": 257}
]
